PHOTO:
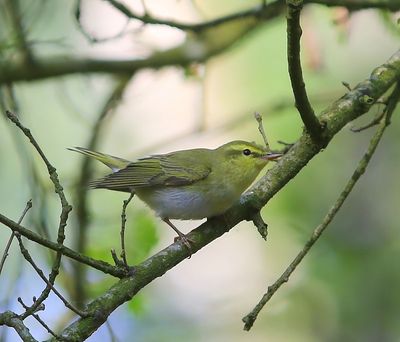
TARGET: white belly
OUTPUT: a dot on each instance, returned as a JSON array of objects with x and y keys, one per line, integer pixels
[{"x": 183, "y": 203}]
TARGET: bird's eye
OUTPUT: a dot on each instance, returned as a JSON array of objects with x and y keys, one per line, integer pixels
[{"x": 246, "y": 152}]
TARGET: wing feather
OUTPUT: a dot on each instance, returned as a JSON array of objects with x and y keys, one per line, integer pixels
[{"x": 174, "y": 169}]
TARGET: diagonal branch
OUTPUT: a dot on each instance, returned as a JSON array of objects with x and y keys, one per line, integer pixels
[
  {"x": 5, "y": 254},
  {"x": 11, "y": 319},
  {"x": 317, "y": 232},
  {"x": 28, "y": 258}
]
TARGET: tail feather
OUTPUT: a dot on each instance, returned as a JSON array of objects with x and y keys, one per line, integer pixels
[
  {"x": 114, "y": 163},
  {"x": 102, "y": 184}
]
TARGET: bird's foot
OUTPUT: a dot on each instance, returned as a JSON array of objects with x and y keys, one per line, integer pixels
[{"x": 186, "y": 241}]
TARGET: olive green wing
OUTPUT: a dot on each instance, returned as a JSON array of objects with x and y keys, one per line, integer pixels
[{"x": 174, "y": 169}]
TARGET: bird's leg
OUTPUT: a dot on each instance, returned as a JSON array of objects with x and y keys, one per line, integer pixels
[{"x": 182, "y": 236}]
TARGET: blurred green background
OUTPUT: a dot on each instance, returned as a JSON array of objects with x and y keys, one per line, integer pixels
[{"x": 347, "y": 287}]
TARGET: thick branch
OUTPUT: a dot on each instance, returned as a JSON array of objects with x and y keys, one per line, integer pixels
[
  {"x": 346, "y": 109},
  {"x": 195, "y": 50}
]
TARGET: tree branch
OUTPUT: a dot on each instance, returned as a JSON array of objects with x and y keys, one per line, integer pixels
[
  {"x": 354, "y": 5},
  {"x": 18, "y": 30},
  {"x": 196, "y": 49},
  {"x": 258, "y": 11},
  {"x": 97, "y": 264},
  {"x": 317, "y": 232},
  {"x": 65, "y": 210},
  {"x": 85, "y": 173},
  {"x": 16, "y": 71},
  {"x": 11, "y": 319},
  {"x": 28, "y": 258},
  {"x": 336, "y": 116},
  {"x": 303, "y": 105},
  {"x": 5, "y": 254}
]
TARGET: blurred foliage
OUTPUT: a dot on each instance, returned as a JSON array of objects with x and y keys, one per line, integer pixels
[{"x": 347, "y": 287}]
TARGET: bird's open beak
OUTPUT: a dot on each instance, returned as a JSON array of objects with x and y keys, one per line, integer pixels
[{"x": 273, "y": 156}]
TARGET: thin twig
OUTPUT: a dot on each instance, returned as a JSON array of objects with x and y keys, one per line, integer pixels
[
  {"x": 5, "y": 254},
  {"x": 262, "y": 227},
  {"x": 68, "y": 252},
  {"x": 374, "y": 122},
  {"x": 256, "y": 11},
  {"x": 28, "y": 258},
  {"x": 303, "y": 105},
  {"x": 258, "y": 117},
  {"x": 123, "y": 223},
  {"x": 65, "y": 210},
  {"x": 317, "y": 232},
  {"x": 88, "y": 36},
  {"x": 41, "y": 322}
]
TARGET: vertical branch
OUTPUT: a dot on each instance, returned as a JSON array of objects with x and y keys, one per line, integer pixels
[
  {"x": 65, "y": 210},
  {"x": 123, "y": 223},
  {"x": 19, "y": 32},
  {"x": 303, "y": 105},
  {"x": 82, "y": 201}
]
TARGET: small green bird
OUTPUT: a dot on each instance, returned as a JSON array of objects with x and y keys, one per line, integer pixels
[{"x": 189, "y": 184}]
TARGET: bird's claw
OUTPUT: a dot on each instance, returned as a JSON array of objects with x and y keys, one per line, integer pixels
[{"x": 186, "y": 241}]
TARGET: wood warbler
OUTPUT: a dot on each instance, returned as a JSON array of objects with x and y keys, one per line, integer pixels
[{"x": 189, "y": 184}]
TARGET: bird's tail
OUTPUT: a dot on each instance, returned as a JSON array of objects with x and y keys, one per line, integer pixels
[{"x": 114, "y": 163}]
